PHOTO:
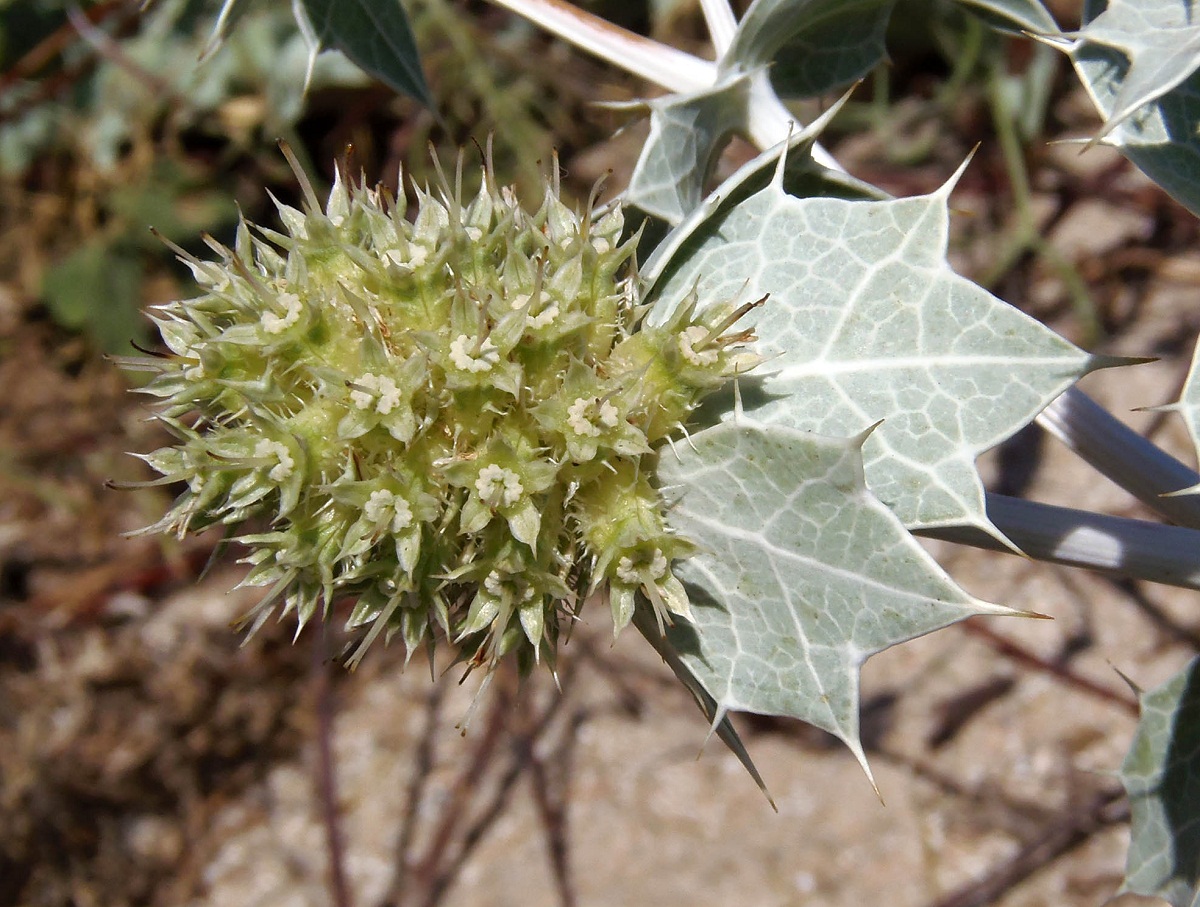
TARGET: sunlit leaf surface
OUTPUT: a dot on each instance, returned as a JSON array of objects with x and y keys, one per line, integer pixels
[
  {"x": 1161, "y": 774},
  {"x": 802, "y": 573}
]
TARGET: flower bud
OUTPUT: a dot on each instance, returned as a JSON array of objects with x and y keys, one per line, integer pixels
[{"x": 451, "y": 419}]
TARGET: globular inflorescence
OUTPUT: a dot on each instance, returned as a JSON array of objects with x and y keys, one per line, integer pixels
[{"x": 450, "y": 419}]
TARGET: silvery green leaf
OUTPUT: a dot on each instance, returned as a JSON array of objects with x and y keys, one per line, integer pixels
[
  {"x": 1023, "y": 15},
  {"x": 802, "y": 176},
  {"x": 1188, "y": 406},
  {"x": 374, "y": 34},
  {"x": 687, "y": 133},
  {"x": 1161, "y": 774},
  {"x": 802, "y": 573},
  {"x": 812, "y": 46},
  {"x": 1160, "y": 39},
  {"x": 1138, "y": 61},
  {"x": 866, "y": 322}
]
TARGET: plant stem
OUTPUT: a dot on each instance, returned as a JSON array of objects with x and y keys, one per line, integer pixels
[
  {"x": 1079, "y": 538},
  {"x": 722, "y": 25},
  {"x": 653, "y": 61},
  {"x": 1122, "y": 455}
]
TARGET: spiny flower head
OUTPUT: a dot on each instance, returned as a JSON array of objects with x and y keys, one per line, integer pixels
[{"x": 451, "y": 419}]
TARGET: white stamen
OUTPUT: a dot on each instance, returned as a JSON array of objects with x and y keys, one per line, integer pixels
[
  {"x": 475, "y": 362},
  {"x": 545, "y": 317},
  {"x": 626, "y": 573},
  {"x": 265, "y": 449},
  {"x": 275, "y": 324},
  {"x": 687, "y": 345}
]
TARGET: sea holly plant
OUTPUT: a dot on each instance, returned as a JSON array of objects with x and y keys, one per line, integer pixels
[
  {"x": 454, "y": 420},
  {"x": 480, "y": 421},
  {"x": 1161, "y": 777},
  {"x": 1139, "y": 61}
]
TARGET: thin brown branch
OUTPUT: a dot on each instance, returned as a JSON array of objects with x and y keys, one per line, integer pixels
[
  {"x": 326, "y": 770},
  {"x": 550, "y": 783},
  {"x": 41, "y": 55},
  {"x": 1059, "y": 670},
  {"x": 427, "y": 872},
  {"x": 106, "y": 47},
  {"x": 44, "y": 52},
  {"x": 1105, "y": 809},
  {"x": 418, "y": 785}
]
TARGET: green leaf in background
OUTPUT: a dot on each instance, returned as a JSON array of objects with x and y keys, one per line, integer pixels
[
  {"x": 1019, "y": 15},
  {"x": 1161, "y": 774},
  {"x": 374, "y": 34},
  {"x": 802, "y": 573},
  {"x": 1138, "y": 60},
  {"x": 865, "y": 322},
  {"x": 813, "y": 46},
  {"x": 97, "y": 289},
  {"x": 687, "y": 133}
]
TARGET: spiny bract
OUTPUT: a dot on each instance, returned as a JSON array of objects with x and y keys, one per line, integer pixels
[{"x": 451, "y": 419}]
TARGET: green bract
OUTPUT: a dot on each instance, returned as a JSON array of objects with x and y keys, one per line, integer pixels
[{"x": 452, "y": 419}]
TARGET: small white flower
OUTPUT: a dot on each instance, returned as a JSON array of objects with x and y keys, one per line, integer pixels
[
  {"x": 406, "y": 259},
  {"x": 497, "y": 585},
  {"x": 494, "y": 584},
  {"x": 386, "y": 507},
  {"x": 276, "y": 324},
  {"x": 687, "y": 345},
  {"x": 545, "y": 317},
  {"x": 584, "y": 414},
  {"x": 628, "y": 572},
  {"x": 267, "y": 449},
  {"x": 498, "y": 486},
  {"x": 381, "y": 392},
  {"x": 467, "y": 360},
  {"x": 658, "y": 565}
]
